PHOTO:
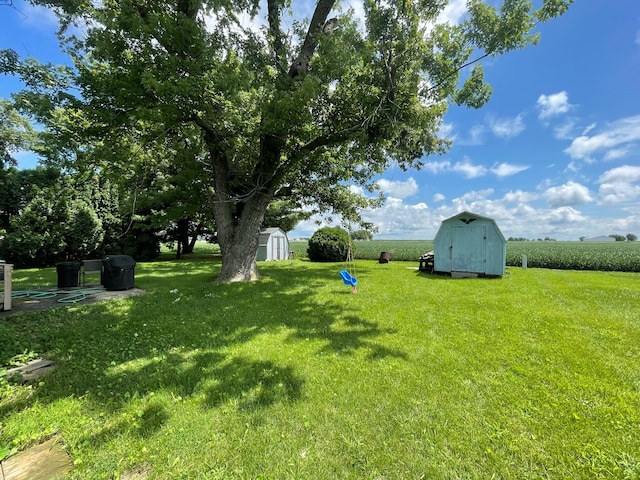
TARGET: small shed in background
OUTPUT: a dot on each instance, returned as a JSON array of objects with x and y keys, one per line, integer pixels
[
  {"x": 469, "y": 244},
  {"x": 273, "y": 244}
]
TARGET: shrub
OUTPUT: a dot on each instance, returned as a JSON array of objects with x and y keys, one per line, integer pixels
[
  {"x": 36, "y": 236},
  {"x": 142, "y": 242},
  {"x": 329, "y": 244},
  {"x": 84, "y": 232}
]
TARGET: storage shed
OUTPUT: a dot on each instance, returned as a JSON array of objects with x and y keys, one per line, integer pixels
[
  {"x": 273, "y": 244},
  {"x": 469, "y": 244}
]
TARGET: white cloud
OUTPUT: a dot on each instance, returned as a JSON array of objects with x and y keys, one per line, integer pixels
[
  {"x": 571, "y": 193},
  {"x": 453, "y": 12},
  {"x": 620, "y": 185},
  {"x": 437, "y": 167},
  {"x": 474, "y": 196},
  {"x": 475, "y": 137},
  {"x": 414, "y": 221},
  {"x": 519, "y": 197},
  {"x": 446, "y": 130},
  {"x": 625, "y": 173},
  {"x": 507, "y": 169},
  {"x": 573, "y": 167},
  {"x": 620, "y": 135},
  {"x": 438, "y": 197},
  {"x": 358, "y": 190},
  {"x": 565, "y": 215},
  {"x": 588, "y": 128},
  {"x": 358, "y": 10},
  {"x": 398, "y": 189},
  {"x": 616, "y": 153},
  {"x": 506, "y": 127},
  {"x": 564, "y": 131},
  {"x": 468, "y": 169},
  {"x": 553, "y": 105}
]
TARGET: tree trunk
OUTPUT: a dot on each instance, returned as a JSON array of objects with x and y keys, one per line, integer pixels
[
  {"x": 238, "y": 239},
  {"x": 182, "y": 235},
  {"x": 239, "y": 261},
  {"x": 188, "y": 248}
]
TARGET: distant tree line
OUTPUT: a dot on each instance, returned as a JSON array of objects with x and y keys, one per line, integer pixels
[
  {"x": 522, "y": 239},
  {"x": 630, "y": 237}
]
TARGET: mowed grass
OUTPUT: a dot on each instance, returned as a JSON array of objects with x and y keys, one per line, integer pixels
[{"x": 534, "y": 375}]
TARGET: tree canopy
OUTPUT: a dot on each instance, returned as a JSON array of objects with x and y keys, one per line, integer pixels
[
  {"x": 282, "y": 105},
  {"x": 16, "y": 133}
]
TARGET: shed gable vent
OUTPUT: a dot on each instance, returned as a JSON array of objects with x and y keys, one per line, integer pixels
[{"x": 467, "y": 221}]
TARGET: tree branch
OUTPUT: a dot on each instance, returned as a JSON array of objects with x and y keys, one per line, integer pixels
[
  {"x": 456, "y": 70},
  {"x": 273, "y": 16},
  {"x": 326, "y": 140},
  {"x": 301, "y": 64}
]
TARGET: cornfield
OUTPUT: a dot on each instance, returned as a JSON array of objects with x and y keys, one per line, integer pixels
[{"x": 613, "y": 256}]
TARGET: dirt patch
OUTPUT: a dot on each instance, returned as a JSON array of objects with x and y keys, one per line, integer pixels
[{"x": 43, "y": 299}]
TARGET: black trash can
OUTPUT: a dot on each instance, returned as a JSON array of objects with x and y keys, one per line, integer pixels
[
  {"x": 118, "y": 272},
  {"x": 68, "y": 274}
]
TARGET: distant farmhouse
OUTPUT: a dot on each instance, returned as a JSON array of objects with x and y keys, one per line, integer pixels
[{"x": 601, "y": 238}]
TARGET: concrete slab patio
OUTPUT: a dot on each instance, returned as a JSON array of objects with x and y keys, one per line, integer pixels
[{"x": 52, "y": 297}]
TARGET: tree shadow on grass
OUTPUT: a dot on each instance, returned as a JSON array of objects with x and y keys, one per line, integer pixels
[
  {"x": 142, "y": 423},
  {"x": 177, "y": 338},
  {"x": 253, "y": 384},
  {"x": 347, "y": 336}
]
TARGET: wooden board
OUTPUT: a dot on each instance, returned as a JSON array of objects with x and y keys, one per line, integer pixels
[
  {"x": 6, "y": 281},
  {"x": 45, "y": 461},
  {"x": 32, "y": 370}
]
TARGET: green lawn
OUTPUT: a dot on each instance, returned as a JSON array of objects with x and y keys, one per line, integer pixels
[{"x": 534, "y": 375}]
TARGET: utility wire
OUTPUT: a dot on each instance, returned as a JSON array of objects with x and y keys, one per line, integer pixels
[{"x": 9, "y": 3}]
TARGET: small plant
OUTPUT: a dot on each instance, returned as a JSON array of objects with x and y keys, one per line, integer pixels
[{"x": 329, "y": 244}]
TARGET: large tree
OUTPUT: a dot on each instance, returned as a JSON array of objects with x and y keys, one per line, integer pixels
[
  {"x": 300, "y": 107},
  {"x": 16, "y": 134}
]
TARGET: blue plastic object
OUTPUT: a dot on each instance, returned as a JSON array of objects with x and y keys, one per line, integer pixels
[{"x": 348, "y": 279}]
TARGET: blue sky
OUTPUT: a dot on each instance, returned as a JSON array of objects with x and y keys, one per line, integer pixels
[{"x": 555, "y": 153}]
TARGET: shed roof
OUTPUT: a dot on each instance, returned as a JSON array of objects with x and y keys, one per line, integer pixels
[
  {"x": 265, "y": 233},
  {"x": 470, "y": 215}
]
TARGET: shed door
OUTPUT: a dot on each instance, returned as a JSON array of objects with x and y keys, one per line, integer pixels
[
  {"x": 277, "y": 245},
  {"x": 468, "y": 247}
]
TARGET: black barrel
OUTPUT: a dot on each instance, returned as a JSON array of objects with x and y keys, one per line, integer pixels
[
  {"x": 68, "y": 274},
  {"x": 118, "y": 272}
]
